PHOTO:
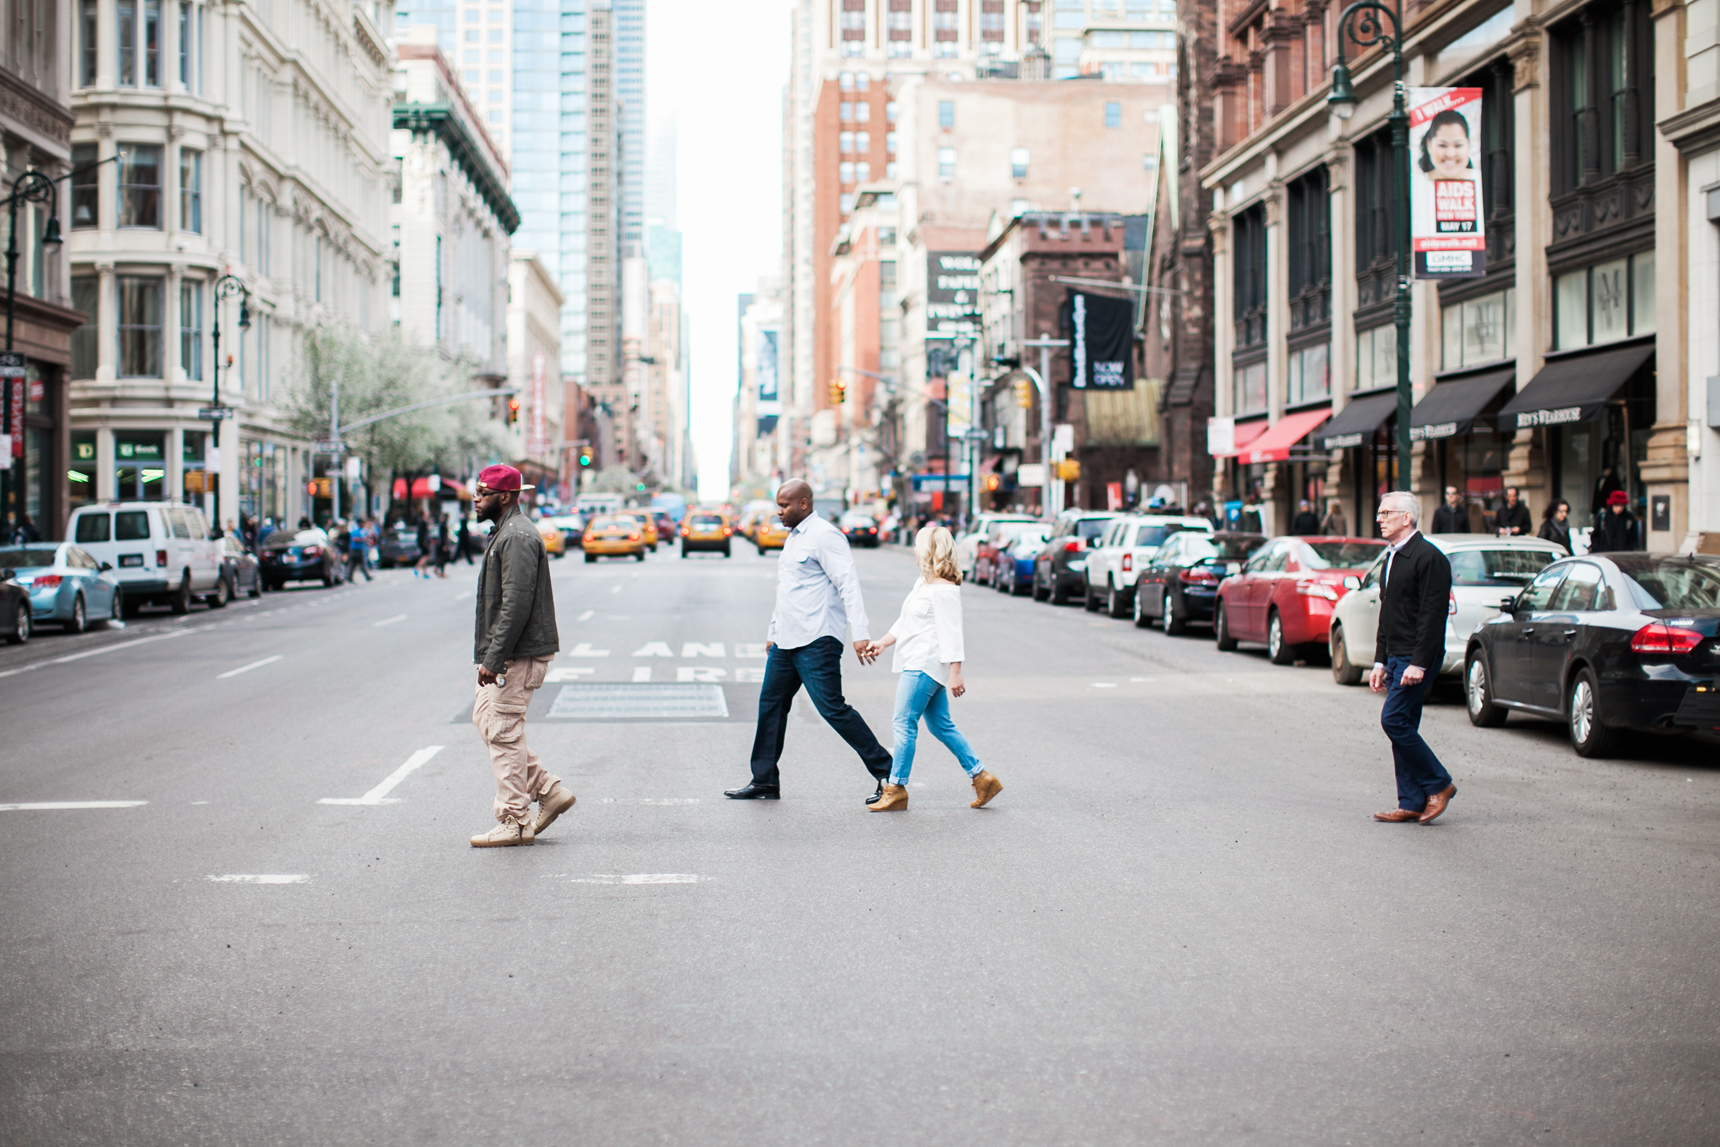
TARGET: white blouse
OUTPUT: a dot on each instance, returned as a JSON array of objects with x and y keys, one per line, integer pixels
[{"x": 929, "y": 631}]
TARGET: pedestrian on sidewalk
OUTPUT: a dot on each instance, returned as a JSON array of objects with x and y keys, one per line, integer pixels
[
  {"x": 818, "y": 607},
  {"x": 442, "y": 544},
  {"x": 425, "y": 539},
  {"x": 357, "y": 550},
  {"x": 516, "y": 640},
  {"x": 1410, "y": 647},
  {"x": 1617, "y": 532},
  {"x": 929, "y": 655},
  {"x": 1334, "y": 524},
  {"x": 465, "y": 537},
  {"x": 1556, "y": 524}
]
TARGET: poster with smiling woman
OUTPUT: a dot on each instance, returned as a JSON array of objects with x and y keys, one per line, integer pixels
[{"x": 1445, "y": 219}]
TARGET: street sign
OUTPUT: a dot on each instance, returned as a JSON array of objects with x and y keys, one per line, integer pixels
[
  {"x": 327, "y": 446},
  {"x": 214, "y": 413},
  {"x": 11, "y": 364},
  {"x": 977, "y": 435}
]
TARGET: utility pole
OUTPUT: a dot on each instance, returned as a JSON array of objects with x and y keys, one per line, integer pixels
[{"x": 1051, "y": 493}]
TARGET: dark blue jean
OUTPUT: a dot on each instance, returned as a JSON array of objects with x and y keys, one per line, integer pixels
[
  {"x": 818, "y": 667},
  {"x": 1419, "y": 773}
]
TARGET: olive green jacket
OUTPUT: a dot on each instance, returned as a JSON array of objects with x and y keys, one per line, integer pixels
[{"x": 516, "y": 611}]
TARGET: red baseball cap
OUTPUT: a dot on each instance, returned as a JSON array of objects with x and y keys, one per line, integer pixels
[
  {"x": 1618, "y": 498},
  {"x": 500, "y": 477}
]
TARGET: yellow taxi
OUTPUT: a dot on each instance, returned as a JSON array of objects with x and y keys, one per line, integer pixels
[
  {"x": 614, "y": 535},
  {"x": 647, "y": 526},
  {"x": 751, "y": 515},
  {"x": 771, "y": 534},
  {"x": 705, "y": 530},
  {"x": 553, "y": 542}
]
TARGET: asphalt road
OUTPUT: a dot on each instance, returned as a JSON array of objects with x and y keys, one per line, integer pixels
[{"x": 1177, "y": 924}]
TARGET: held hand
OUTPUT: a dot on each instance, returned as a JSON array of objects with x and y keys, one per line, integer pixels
[
  {"x": 1377, "y": 679},
  {"x": 864, "y": 651},
  {"x": 958, "y": 687},
  {"x": 1412, "y": 676},
  {"x": 485, "y": 677}
]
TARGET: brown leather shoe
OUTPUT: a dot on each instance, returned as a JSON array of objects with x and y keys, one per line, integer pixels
[
  {"x": 985, "y": 786},
  {"x": 1436, "y": 804},
  {"x": 895, "y": 799},
  {"x": 1397, "y": 816}
]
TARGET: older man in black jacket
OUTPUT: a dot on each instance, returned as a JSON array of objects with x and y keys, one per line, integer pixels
[{"x": 1408, "y": 653}]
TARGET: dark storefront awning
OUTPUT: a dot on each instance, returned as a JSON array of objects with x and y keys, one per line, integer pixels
[
  {"x": 1356, "y": 423},
  {"x": 1450, "y": 407},
  {"x": 1573, "y": 389}
]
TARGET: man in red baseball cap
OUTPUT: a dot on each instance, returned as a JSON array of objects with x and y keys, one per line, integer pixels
[{"x": 516, "y": 640}]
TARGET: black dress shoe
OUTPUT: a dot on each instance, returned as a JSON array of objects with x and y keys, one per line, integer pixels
[
  {"x": 877, "y": 796},
  {"x": 753, "y": 791}
]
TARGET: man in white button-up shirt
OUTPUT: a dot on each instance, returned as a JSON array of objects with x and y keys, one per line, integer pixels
[{"x": 818, "y": 609}]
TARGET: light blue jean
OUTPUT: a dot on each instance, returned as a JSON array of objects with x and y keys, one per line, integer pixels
[{"x": 918, "y": 695}]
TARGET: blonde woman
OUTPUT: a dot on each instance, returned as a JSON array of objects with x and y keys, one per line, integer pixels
[{"x": 928, "y": 641}]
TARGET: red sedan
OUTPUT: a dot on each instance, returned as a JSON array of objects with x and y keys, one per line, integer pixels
[{"x": 1284, "y": 596}]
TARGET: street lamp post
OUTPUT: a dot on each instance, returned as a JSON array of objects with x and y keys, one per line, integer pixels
[
  {"x": 1364, "y": 22},
  {"x": 226, "y": 287},
  {"x": 31, "y": 187},
  {"x": 1041, "y": 379}
]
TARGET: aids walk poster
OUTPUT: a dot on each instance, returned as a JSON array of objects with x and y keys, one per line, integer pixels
[{"x": 1446, "y": 231}]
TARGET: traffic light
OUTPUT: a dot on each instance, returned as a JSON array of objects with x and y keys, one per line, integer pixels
[
  {"x": 513, "y": 411},
  {"x": 584, "y": 456},
  {"x": 320, "y": 487},
  {"x": 838, "y": 392},
  {"x": 1069, "y": 470},
  {"x": 1024, "y": 393},
  {"x": 991, "y": 483}
]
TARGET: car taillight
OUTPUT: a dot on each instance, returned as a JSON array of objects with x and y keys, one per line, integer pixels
[
  {"x": 1451, "y": 607},
  {"x": 46, "y": 581},
  {"x": 727, "y": 531},
  {"x": 1660, "y": 637},
  {"x": 685, "y": 532},
  {"x": 589, "y": 538},
  {"x": 1072, "y": 547},
  {"x": 1196, "y": 575},
  {"x": 1128, "y": 562},
  {"x": 632, "y": 537},
  {"x": 160, "y": 557},
  {"x": 312, "y": 551}
]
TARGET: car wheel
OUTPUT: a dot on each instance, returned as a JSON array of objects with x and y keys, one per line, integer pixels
[
  {"x": 589, "y": 558},
  {"x": 1142, "y": 621},
  {"x": 1589, "y": 737},
  {"x": 1221, "y": 629},
  {"x": 256, "y": 586},
  {"x": 1089, "y": 600},
  {"x": 640, "y": 555},
  {"x": 79, "y": 621},
  {"x": 1484, "y": 712},
  {"x": 1280, "y": 652},
  {"x": 1174, "y": 622},
  {"x": 222, "y": 595},
  {"x": 1037, "y": 595},
  {"x": 1343, "y": 672},
  {"x": 1115, "y": 603},
  {"x": 683, "y": 553},
  {"x": 114, "y": 607},
  {"x": 20, "y": 625},
  {"x": 181, "y": 601},
  {"x": 726, "y": 552}
]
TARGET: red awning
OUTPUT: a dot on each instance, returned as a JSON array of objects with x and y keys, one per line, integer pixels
[
  {"x": 1246, "y": 432},
  {"x": 1275, "y": 444},
  {"x": 420, "y": 488}
]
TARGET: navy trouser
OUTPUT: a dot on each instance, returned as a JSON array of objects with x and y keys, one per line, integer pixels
[
  {"x": 818, "y": 667},
  {"x": 1419, "y": 773}
]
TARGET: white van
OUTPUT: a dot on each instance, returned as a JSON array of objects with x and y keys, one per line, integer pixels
[{"x": 160, "y": 552}]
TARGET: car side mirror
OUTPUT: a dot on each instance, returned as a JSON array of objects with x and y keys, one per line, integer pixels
[
  {"x": 1351, "y": 581},
  {"x": 1509, "y": 605},
  {"x": 6, "y": 574},
  {"x": 105, "y": 567}
]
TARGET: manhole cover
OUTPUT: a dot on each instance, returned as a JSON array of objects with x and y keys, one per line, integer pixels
[{"x": 638, "y": 702}]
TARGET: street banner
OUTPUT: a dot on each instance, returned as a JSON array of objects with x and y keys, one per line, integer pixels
[
  {"x": 538, "y": 441},
  {"x": 1101, "y": 333},
  {"x": 12, "y": 371},
  {"x": 769, "y": 394},
  {"x": 1446, "y": 228}
]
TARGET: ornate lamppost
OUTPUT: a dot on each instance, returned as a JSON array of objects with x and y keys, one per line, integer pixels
[{"x": 226, "y": 287}]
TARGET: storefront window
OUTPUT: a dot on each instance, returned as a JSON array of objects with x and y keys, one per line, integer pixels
[
  {"x": 81, "y": 474},
  {"x": 35, "y": 389},
  {"x": 1249, "y": 388},
  {"x": 1376, "y": 357},
  {"x": 1604, "y": 303},
  {"x": 1481, "y": 330},
  {"x": 85, "y": 291},
  {"x": 196, "y": 477},
  {"x": 139, "y": 464},
  {"x": 1310, "y": 375}
]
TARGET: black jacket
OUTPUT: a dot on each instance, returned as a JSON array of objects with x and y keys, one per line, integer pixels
[
  {"x": 1306, "y": 524},
  {"x": 1616, "y": 533},
  {"x": 516, "y": 611},
  {"x": 1413, "y": 606},
  {"x": 1449, "y": 521},
  {"x": 1516, "y": 517},
  {"x": 1553, "y": 530}
]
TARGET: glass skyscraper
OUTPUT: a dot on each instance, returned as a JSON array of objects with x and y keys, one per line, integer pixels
[{"x": 630, "y": 90}]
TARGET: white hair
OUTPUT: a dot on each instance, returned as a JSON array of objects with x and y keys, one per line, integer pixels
[{"x": 1405, "y": 501}]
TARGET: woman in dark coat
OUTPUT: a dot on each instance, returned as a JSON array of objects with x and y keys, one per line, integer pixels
[{"x": 1555, "y": 524}]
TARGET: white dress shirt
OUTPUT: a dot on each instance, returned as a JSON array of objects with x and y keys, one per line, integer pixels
[
  {"x": 817, "y": 590},
  {"x": 929, "y": 631}
]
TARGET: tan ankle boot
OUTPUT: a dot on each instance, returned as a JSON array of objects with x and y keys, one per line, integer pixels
[
  {"x": 895, "y": 799},
  {"x": 985, "y": 786}
]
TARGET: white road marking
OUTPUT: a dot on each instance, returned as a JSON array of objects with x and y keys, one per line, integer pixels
[
  {"x": 584, "y": 649},
  {"x": 94, "y": 652},
  {"x": 586, "y": 616},
  {"x": 701, "y": 673},
  {"x": 653, "y": 649},
  {"x": 1104, "y": 684},
  {"x": 389, "y": 621},
  {"x": 199, "y": 802},
  {"x": 260, "y": 878},
  {"x": 698, "y": 649},
  {"x": 641, "y": 673},
  {"x": 248, "y": 668},
  {"x": 637, "y": 878},
  {"x": 753, "y": 649},
  {"x": 55, "y": 806},
  {"x": 651, "y": 800},
  {"x": 379, "y": 794},
  {"x": 567, "y": 673},
  {"x": 615, "y": 588},
  {"x": 749, "y": 675},
  {"x": 1143, "y": 679},
  {"x": 463, "y": 595}
]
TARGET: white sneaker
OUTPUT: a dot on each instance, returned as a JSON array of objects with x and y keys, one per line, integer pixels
[{"x": 504, "y": 836}]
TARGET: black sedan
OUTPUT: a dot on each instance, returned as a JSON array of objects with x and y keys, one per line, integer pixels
[
  {"x": 1060, "y": 569},
  {"x": 399, "y": 548},
  {"x": 860, "y": 529},
  {"x": 14, "y": 609},
  {"x": 240, "y": 567},
  {"x": 1604, "y": 644},
  {"x": 1180, "y": 584},
  {"x": 305, "y": 556}
]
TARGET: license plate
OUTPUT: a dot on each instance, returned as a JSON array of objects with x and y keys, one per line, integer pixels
[
  {"x": 130, "y": 561},
  {"x": 1233, "y": 568}
]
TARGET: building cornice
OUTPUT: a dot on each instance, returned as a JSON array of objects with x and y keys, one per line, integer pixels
[
  {"x": 439, "y": 120},
  {"x": 1693, "y": 129},
  {"x": 25, "y": 107}
]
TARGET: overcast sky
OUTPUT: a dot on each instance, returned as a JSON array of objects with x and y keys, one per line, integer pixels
[{"x": 719, "y": 69}]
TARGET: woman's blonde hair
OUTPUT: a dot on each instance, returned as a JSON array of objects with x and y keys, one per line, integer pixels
[{"x": 935, "y": 550}]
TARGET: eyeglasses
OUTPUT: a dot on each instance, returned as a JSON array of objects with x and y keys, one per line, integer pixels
[{"x": 1384, "y": 514}]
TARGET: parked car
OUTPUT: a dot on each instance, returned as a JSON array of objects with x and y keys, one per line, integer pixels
[
  {"x": 399, "y": 547},
  {"x": 770, "y": 534},
  {"x": 1060, "y": 569},
  {"x": 1180, "y": 582},
  {"x": 1484, "y": 568},
  {"x": 706, "y": 530},
  {"x": 1014, "y": 566},
  {"x": 241, "y": 568},
  {"x": 1284, "y": 595},
  {"x": 66, "y": 586},
  {"x": 14, "y": 609},
  {"x": 572, "y": 527},
  {"x": 967, "y": 544},
  {"x": 988, "y": 559},
  {"x": 160, "y": 551},
  {"x": 1124, "y": 548},
  {"x": 1605, "y": 644},
  {"x": 860, "y": 528},
  {"x": 305, "y": 555}
]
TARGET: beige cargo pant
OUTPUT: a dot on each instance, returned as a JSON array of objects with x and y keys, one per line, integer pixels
[{"x": 499, "y": 714}]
